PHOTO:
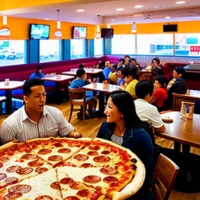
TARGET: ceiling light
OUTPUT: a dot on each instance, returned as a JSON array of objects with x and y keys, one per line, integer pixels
[
  {"x": 46, "y": 19},
  {"x": 138, "y": 6},
  {"x": 180, "y": 2},
  {"x": 113, "y": 20},
  {"x": 167, "y": 17},
  {"x": 119, "y": 9},
  {"x": 80, "y": 10}
]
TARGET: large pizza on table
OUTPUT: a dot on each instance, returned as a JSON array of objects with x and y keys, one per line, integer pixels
[{"x": 68, "y": 169}]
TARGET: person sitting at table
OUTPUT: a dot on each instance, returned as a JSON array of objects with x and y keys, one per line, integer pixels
[
  {"x": 81, "y": 66},
  {"x": 145, "y": 111},
  {"x": 127, "y": 60},
  {"x": 178, "y": 85},
  {"x": 131, "y": 79},
  {"x": 38, "y": 73},
  {"x": 112, "y": 78},
  {"x": 79, "y": 83},
  {"x": 123, "y": 127},
  {"x": 107, "y": 69},
  {"x": 35, "y": 119},
  {"x": 121, "y": 63},
  {"x": 156, "y": 68},
  {"x": 160, "y": 93},
  {"x": 134, "y": 63}
]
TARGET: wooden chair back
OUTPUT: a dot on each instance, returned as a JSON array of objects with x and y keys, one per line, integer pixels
[
  {"x": 178, "y": 98},
  {"x": 163, "y": 177}
]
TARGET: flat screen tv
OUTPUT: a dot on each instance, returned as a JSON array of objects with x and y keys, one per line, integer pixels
[
  {"x": 107, "y": 32},
  {"x": 79, "y": 32},
  {"x": 38, "y": 31},
  {"x": 170, "y": 28}
]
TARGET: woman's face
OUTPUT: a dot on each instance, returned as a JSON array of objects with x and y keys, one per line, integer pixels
[
  {"x": 175, "y": 74},
  {"x": 133, "y": 62},
  {"x": 119, "y": 74},
  {"x": 157, "y": 85},
  {"x": 112, "y": 112},
  {"x": 40, "y": 71},
  {"x": 155, "y": 64}
]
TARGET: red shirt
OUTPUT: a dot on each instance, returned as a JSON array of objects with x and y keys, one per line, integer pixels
[{"x": 160, "y": 95}]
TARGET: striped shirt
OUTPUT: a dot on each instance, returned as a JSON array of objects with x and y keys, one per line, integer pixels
[{"x": 19, "y": 126}]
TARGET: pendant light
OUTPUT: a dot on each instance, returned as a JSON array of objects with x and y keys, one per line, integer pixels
[
  {"x": 98, "y": 34},
  {"x": 58, "y": 32},
  {"x": 5, "y": 33}
]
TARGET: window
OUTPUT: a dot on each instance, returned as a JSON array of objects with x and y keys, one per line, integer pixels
[
  {"x": 98, "y": 46},
  {"x": 123, "y": 44},
  {"x": 187, "y": 44},
  {"x": 78, "y": 48},
  {"x": 155, "y": 44},
  {"x": 49, "y": 50},
  {"x": 12, "y": 52}
]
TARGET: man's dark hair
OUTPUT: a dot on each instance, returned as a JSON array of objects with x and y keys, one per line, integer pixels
[
  {"x": 157, "y": 60},
  {"x": 133, "y": 59},
  {"x": 133, "y": 72},
  {"x": 115, "y": 66},
  {"x": 80, "y": 72},
  {"x": 30, "y": 83},
  {"x": 180, "y": 70},
  {"x": 126, "y": 71},
  {"x": 122, "y": 60},
  {"x": 143, "y": 88},
  {"x": 162, "y": 80},
  {"x": 81, "y": 66}
]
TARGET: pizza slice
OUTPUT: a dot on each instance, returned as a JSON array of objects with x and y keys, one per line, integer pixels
[
  {"x": 44, "y": 186},
  {"x": 56, "y": 150}
]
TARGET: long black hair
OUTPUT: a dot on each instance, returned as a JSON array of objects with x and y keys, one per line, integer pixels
[
  {"x": 38, "y": 74},
  {"x": 124, "y": 102}
]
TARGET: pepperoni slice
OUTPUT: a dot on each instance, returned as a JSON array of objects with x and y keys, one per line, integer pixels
[
  {"x": 21, "y": 188},
  {"x": 109, "y": 170},
  {"x": 44, "y": 197},
  {"x": 58, "y": 145},
  {"x": 4, "y": 159},
  {"x": 86, "y": 165},
  {"x": 77, "y": 186},
  {"x": 2, "y": 176},
  {"x": 64, "y": 150},
  {"x": 44, "y": 151},
  {"x": 35, "y": 163},
  {"x": 110, "y": 179},
  {"x": 71, "y": 198},
  {"x": 101, "y": 159},
  {"x": 11, "y": 180},
  {"x": 84, "y": 193},
  {"x": 105, "y": 152},
  {"x": 29, "y": 156},
  {"x": 92, "y": 153},
  {"x": 12, "y": 196},
  {"x": 94, "y": 148},
  {"x": 13, "y": 168},
  {"x": 81, "y": 157},
  {"x": 23, "y": 171},
  {"x": 1, "y": 165},
  {"x": 55, "y": 185},
  {"x": 92, "y": 179},
  {"x": 67, "y": 181},
  {"x": 55, "y": 158},
  {"x": 40, "y": 170}
]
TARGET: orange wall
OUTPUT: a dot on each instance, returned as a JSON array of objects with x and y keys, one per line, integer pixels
[{"x": 19, "y": 28}]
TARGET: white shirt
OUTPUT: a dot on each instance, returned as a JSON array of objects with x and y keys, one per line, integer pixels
[
  {"x": 148, "y": 112},
  {"x": 19, "y": 126}
]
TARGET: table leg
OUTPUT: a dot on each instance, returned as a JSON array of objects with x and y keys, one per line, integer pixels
[
  {"x": 8, "y": 101},
  {"x": 58, "y": 85},
  {"x": 101, "y": 103}
]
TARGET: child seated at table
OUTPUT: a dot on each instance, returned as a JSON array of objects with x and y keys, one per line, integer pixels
[{"x": 160, "y": 93}]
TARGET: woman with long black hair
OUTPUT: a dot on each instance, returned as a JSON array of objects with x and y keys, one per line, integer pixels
[{"x": 124, "y": 127}]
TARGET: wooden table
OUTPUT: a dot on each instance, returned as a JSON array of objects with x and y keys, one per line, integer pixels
[
  {"x": 99, "y": 87},
  {"x": 182, "y": 131},
  {"x": 145, "y": 74},
  {"x": 87, "y": 70},
  {"x": 8, "y": 90},
  {"x": 58, "y": 79}
]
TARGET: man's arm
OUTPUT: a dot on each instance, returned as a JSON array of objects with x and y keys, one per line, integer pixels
[
  {"x": 162, "y": 129},
  {"x": 75, "y": 134},
  {"x": 6, "y": 134}
]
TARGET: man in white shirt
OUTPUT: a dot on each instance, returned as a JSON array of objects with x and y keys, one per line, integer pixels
[
  {"x": 34, "y": 119},
  {"x": 146, "y": 111}
]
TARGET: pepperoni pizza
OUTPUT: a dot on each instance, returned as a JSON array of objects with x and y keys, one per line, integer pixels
[{"x": 68, "y": 169}]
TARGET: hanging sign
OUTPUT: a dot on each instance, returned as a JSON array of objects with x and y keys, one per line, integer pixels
[
  {"x": 5, "y": 33},
  {"x": 58, "y": 34}
]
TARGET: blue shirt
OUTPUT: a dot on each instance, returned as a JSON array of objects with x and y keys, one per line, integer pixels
[
  {"x": 120, "y": 80},
  {"x": 139, "y": 142},
  {"x": 106, "y": 72}
]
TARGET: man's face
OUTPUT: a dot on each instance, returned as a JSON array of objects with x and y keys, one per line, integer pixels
[
  {"x": 157, "y": 85},
  {"x": 36, "y": 100},
  {"x": 133, "y": 62},
  {"x": 176, "y": 75},
  {"x": 107, "y": 64},
  {"x": 120, "y": 63},
  {"x": 127, "y": 59}
]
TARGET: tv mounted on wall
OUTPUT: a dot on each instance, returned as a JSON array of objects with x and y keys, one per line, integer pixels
[
  {"x": 79, "y": 32},
  {"x": 170, "y": 28},
  {"x": 107, "y": 32},
  {"x": 39, "y": 31}
]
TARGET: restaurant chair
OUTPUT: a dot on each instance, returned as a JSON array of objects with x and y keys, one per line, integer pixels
[
  {"x": 164, "y": 177},
  {"x": 2, "y": 99},
  {"x": 78, "y": 97},
  {"x": 178, "y": 98}
]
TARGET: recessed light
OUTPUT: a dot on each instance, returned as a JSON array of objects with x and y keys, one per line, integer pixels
[
  {"x": 113, "y": 20},
  {"x": 167, "y": 17},
  {"x": 119, "y": 9},
  {"x": 180, "y": 2},
  {"x": 80, "y": 10},
  {"x": 46, "y": 19},
  {"x": 138, "y": 6}
]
